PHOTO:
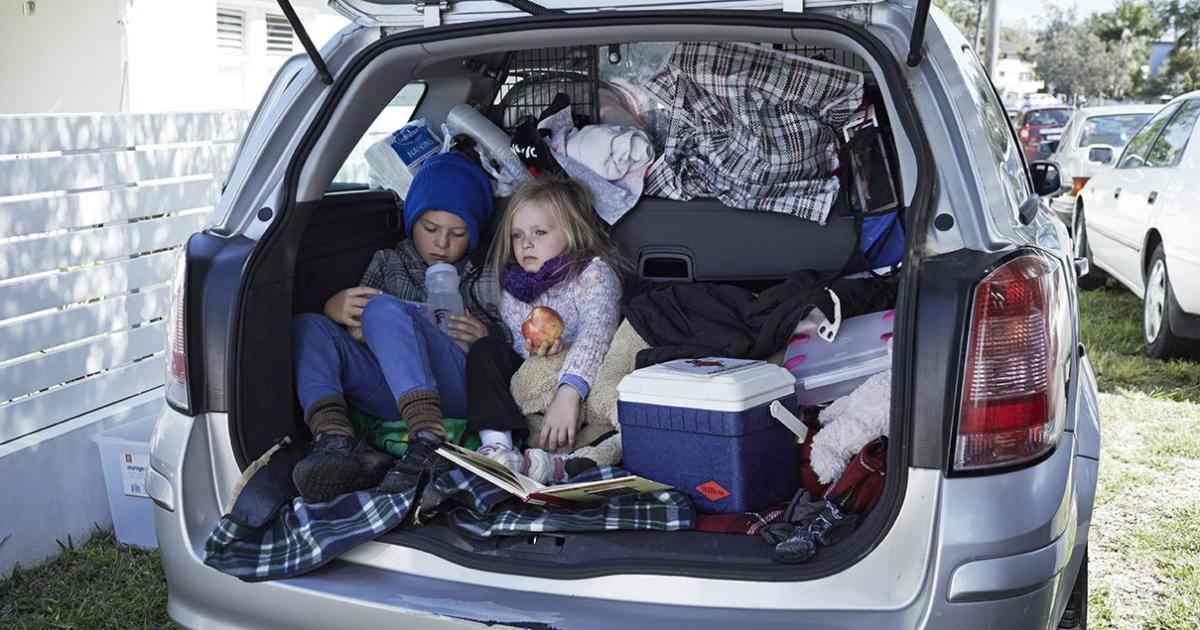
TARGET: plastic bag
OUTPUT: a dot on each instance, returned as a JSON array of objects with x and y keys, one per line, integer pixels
[{"x": 395, "y": 160}]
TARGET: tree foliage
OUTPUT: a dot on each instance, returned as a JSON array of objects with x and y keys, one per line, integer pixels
[
  {"x": 1182, "y": 73},
  {"x": 1074, "y": 61},
  {"x": 970, "y": 16}
]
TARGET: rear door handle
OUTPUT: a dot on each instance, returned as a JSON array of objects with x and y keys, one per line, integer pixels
[
  {"x": 1117, "y": 193},
  {"x": 1153, "y": 197}
]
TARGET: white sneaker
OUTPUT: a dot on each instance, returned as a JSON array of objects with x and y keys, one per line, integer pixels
[
  {"x": 547, "y": 468},
  {"x": 506, "y": 456}
]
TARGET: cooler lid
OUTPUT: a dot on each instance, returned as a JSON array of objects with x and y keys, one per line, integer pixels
[{"x": 729, "y": 385}]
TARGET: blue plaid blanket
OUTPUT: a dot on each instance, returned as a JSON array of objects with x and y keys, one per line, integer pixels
[{"x": 304, "y": 536}]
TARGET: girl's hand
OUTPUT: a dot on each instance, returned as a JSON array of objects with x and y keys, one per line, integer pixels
[
  {"x": 466, "y": 328},
  {"x": 544, "y": 350},
  {"x": 346, "y": 306},
  {"x": 561, "y": 419}
]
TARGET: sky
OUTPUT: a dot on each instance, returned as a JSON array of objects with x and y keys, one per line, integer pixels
[{"x": 1012, "y": 12}]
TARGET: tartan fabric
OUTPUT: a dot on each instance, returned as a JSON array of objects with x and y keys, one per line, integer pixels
[
  {"x": 482, "y": 510},
  {"x": 305, "y": 536},
  {"x": 754, "y": 127}
]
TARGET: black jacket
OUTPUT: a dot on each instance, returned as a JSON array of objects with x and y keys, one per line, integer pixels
[{"x": 696, "y": 320}]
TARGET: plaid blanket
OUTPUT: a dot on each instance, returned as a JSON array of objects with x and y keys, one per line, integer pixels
[
  {"x": 478, "y": 508},
  {"x": 305, "y": 536},
  {"x": 753, "y": 127}
]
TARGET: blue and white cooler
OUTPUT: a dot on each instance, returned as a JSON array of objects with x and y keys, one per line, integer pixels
[{"x": 704, "y": 426}]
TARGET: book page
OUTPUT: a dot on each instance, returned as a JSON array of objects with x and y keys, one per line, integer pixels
[
  {"x": 600, "y": 491},
  {"x": 514, "y": 482}
]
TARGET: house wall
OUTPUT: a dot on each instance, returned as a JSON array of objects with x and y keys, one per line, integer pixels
[
  {"x": 106, "y": 56},
  {"x": 64, "y": 57},
  {"x": 1160, "y": 54}
]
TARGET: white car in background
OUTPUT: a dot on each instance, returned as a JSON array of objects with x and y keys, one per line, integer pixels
[
  {"x": 1137, "y": 222},
  {"x": 1093, "y": 139}
]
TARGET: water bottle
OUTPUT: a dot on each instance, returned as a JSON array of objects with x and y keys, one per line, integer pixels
[{"x": 442, "y": 298}]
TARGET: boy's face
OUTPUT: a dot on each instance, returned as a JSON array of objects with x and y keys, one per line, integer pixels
[{"x": 440, "y": 237}]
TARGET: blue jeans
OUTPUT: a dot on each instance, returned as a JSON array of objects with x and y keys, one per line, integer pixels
[{"x": 404, "y": 352}]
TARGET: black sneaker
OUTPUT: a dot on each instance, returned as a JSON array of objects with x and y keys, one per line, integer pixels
[
  {"x": 375, "y": 463},
  {"x": 332, "y": 467},
  {"x": 420, "y": 462}
]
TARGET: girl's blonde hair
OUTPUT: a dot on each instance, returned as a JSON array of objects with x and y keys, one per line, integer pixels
[{"x": 587, "y": 237}]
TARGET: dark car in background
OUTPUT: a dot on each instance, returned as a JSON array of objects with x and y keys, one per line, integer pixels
[{"x": 1039, "y": 126}]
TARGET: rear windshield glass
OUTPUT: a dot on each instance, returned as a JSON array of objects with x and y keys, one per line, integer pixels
[
  {"x": 1111, "y": 130},
  {"x": 1048, "y": 117}
]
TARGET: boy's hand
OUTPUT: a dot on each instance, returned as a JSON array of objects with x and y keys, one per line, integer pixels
[
  {"x": 466, "y": 328},
  {"x": 346, "y": 306},
  {"x": 561, "y": 420}
]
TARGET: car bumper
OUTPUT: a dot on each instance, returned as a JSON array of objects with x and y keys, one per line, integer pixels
[{"x": 383, "y": 584}]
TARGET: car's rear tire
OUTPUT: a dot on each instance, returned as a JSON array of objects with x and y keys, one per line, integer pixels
[
  {"x": 1094, "y": 279},
  {"x": 1157, "y": 298},
  {"x": 1075, "y": 616}
]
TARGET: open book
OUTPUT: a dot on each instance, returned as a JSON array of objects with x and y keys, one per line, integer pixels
[{"x": 531, "y": 491}]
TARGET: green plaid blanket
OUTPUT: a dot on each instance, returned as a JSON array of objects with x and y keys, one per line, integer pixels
[{"x": 305, "y": 536}]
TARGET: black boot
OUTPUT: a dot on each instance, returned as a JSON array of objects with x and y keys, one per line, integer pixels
[
  {"x": 337, "y": 465},
  {"x": 419, "y": 464}
]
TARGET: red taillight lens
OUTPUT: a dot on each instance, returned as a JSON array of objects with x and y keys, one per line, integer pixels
[
  {"x": 177, "y": 388},
  {"x": 1077, "y": 184},
  {"x": 1025, "y": 133},
  {"x": 1014, "y": 387}
]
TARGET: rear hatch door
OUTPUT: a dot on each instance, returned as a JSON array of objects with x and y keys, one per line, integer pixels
[{"x": 416, "y": 13}]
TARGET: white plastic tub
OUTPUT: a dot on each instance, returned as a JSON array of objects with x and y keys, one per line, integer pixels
[{"x": 125, "y": 458}]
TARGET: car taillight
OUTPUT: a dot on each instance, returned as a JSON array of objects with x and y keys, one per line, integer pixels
[
  {"x": 178, "y": 392},
  {"x": 1025, "y": 133},
  {"x": 1014, "y": 381},
  {"x": 1077, "y": 184}
]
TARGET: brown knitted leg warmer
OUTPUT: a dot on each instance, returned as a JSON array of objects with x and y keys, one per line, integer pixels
[
  {"x": 422, "y": 410},
  {"x": 329, "y": 415}
]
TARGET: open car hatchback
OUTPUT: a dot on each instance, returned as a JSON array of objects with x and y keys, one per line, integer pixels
[{"x": 993, "y": 431}]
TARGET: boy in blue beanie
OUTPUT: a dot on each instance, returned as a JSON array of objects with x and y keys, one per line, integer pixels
[{"x": 375, "y": 349}]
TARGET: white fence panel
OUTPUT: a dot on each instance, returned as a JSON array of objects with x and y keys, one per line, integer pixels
[{"x": 93, "y": 209}]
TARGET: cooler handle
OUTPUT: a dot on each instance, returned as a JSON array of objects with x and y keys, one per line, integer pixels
[{"x": 874, "y": 366}]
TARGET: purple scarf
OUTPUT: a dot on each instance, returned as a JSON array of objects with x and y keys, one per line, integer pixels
[{"x": 528, "y": 287}]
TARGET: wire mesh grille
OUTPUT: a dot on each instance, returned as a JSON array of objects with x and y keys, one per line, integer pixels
[
  {"x": 829, "y": 55},
  {"x": 533, "y": 78}
]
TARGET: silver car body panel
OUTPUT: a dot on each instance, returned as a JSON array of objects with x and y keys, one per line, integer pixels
[{"x": 946, "y": 545}]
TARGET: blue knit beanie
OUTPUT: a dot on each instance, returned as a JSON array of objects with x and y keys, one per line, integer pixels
[{"x": 451, "y": 182}]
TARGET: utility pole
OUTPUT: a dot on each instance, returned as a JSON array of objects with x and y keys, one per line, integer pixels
[{"x": 993, "y": 39}]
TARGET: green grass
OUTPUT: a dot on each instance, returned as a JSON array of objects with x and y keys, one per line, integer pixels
[
  {"x": 98, "y": 586},
  {"x": 1172, "y": 541},
  {"x": 1111, "y": 324}
]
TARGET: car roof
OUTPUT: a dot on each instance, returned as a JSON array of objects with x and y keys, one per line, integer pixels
[{"x": 1109, "y": 110}]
